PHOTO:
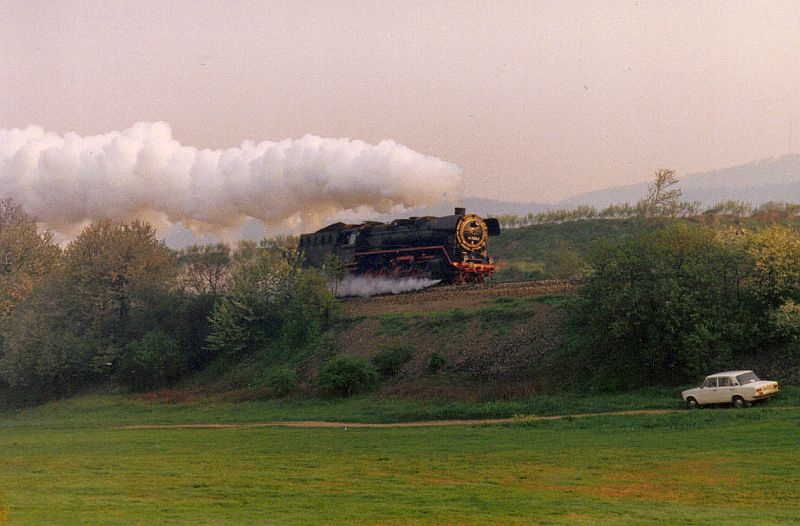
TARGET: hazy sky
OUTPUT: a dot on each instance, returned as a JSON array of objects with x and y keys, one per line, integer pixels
[{"x": 533, "y": 100}]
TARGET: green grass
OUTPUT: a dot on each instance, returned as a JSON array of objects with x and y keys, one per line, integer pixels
[
  {"x": 73, "y": 462},
  {"x": 100, "y": 410},
  {"x": 497, "y": 314}
]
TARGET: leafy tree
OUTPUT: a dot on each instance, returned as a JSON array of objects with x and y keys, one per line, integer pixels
[
  {"x": 565, "y": 262},
  {"x": 153, "y": 361},
  {"x": 250, "y": 315},
  {"x": 205, "y": 269},
  {"x": 70, "y": 331},
  {"x": 26, "y": 256},
  {"x": 271, "y": 299},
  {"x": 183, "y": 316},
  {"x": 776, "y": 211},
  {"x": 776, "y": 256},
  {"x": 333, "y": 271},
  {"x": 281, "y": 380},
  {"x": 11, "y": 213},
  {"x": 623, "y": 211},
  {"x": 112, "y": 266},
  {"x": 731, "y": 208},
  {"x": 50, "y": 349},
  {"x": 309, "y": 311},
  {"x": 664, "y": 307}
]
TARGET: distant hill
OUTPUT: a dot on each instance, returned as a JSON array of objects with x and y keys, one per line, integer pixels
[
  {"x": 494, "y": 207},
  {"x": 755, "y": 183}
]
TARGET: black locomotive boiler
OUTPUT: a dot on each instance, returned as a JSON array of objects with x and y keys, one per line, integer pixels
[{"x": 452, "y": 248}]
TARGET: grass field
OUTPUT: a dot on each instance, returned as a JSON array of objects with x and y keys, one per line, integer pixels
[{"x": 75, "y": 462}]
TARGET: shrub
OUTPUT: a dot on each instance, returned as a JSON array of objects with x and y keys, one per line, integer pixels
[
  {"x": 281, "y": 381},
  {"x": 436, "y": 362},
  {"x": 150, "y": 362},
  {"x": 390, "y": 360},
  {"x": 346, "y": 375}
]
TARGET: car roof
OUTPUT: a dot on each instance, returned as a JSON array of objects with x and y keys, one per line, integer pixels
[{"x": 729, "y": 373}]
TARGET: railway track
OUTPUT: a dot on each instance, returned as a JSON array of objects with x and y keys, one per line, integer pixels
[{"x": 448, "y": 297}]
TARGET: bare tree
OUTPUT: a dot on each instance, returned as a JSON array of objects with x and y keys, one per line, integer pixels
[
  {"x": 205, "y": 269},
  {"x": 662, "y": 199},
  {"x": 12, "y": 214}
]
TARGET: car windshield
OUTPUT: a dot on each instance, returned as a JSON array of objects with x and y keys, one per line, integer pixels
[{"x": 747, "y": 378}]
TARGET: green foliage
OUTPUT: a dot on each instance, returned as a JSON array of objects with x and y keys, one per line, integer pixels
[
  {"x": 529, "y": 253},
  {"x": 565, "y": 262},
  {"x": 309, "y": 311},
  {"x": 664, "y": 307},
  {"x": 600, "y": 470},
  {"x": 775, "y": 252},
  {"x": 205, "y": 270},
  {"x": 272, "y": 303},
  {"x": 393, "y": 324},
  {"x": 786, "y": 320},
  {"x": 153, "y": 361},
  {"x": 390, "y": 360},
  {"x": 113, "y": 266},
  {"x": 333, "y": 271},
  {"x": 435, "y": 362},
  {"x": 249, "y": 317},
  {"x": 282, "y": 380},
  {"x": 48, "y": 347},
  {"x": 26, "y": 256},
  {"x": 183, "y": 316},
  {"x": 70, "y": 329},
  {"x": 345, "y": 375}
]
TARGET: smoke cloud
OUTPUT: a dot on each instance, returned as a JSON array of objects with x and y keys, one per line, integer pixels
[
  {"x": 364, "y": 286},
  {"x": 143, "y": 173}
]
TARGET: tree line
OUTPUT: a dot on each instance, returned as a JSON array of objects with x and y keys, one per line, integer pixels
[
  {"x": 116, "y": 307},
  {"x": 680, "y": 300},
  {"x": 663, "y": 200}
]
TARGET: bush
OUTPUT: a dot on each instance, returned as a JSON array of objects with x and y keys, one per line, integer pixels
[
  {"x": 389, "y": 361},
  {"x": 150, "y": 362},
  {"x": 281, "y": 381},
  {"x": 436, "y": 362},
  {"x": 346, "y": 375}
]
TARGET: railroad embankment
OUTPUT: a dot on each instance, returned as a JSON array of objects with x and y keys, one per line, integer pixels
[{"x": 470, "y": 342}]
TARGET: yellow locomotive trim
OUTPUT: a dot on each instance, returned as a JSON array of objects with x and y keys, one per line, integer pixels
[{"x": 471, "y": 232}]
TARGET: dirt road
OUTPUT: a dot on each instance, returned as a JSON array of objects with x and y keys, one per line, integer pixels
[{"x": 423, "y": 423}]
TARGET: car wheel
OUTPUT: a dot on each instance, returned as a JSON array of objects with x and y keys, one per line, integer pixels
[
  {"x": 691, "y": 403},
  {"x": 738, "y": 402}
]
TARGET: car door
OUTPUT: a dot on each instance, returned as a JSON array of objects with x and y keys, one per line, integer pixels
[
  {"x": 708, "y": 394},
  {"x": 724, "y": 390}
]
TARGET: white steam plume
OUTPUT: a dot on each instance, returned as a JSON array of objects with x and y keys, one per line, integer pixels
[
  {"x": 143, "y": 173},
  {"x": 364, "y": 286}
]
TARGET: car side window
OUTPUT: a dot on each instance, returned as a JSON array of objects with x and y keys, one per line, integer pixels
[
  {"x": 725, "y": 382},
  {"x": 710, "y": 382}
]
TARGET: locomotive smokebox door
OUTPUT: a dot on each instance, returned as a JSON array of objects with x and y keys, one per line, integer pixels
[{"x": 472, "y": 232}]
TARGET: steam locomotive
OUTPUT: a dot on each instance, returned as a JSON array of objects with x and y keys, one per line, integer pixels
[{"x": 448, "y": 248}]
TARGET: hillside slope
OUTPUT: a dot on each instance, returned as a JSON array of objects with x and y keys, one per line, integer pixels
[{"x": 471, "y": 342}]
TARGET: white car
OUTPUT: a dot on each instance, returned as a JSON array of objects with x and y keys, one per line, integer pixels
[{"x": 738, "y": 388}]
